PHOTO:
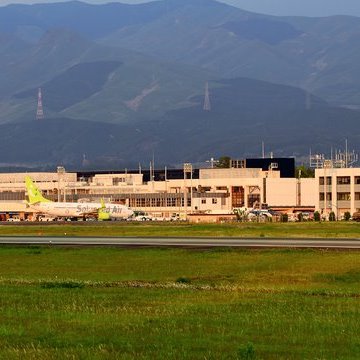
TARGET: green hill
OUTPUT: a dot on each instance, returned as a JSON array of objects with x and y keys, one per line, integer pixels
[
  {"x": 289, "y": 121},
  {"x": 127, "y": 81},
  {"x": 317, "y": 54},
  {"x": 84, "y": 80}
]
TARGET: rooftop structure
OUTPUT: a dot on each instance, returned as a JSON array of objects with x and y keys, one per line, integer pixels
[{"x": 286, "y": 166}]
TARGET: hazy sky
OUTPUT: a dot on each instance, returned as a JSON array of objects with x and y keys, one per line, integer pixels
[
  {"x": 300, "y": 7},
  {"x": 275, "y": 7}
]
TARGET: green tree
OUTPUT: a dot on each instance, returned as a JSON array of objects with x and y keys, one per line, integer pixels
[
  {"x": 332, "y": 216},
  {"x": 223, "y": 162},
  {"x": 241, "y": 214},
  {"x": 317, "y": 216},
  {"x": 304, "y": 172},
  {"x": 347, "y": 216}
]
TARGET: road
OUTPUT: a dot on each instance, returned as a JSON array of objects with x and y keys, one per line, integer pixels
[{"x": 183, "y": 242}]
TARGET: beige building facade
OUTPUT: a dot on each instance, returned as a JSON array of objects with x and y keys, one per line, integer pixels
[
  {"x": 338, "y": 190},
  {"x": 216, "y": 191}
]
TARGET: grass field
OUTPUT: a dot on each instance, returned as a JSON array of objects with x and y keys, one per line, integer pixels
[
  {"x": 110, "y": 303},
  {"x": 254, "y": 230}
]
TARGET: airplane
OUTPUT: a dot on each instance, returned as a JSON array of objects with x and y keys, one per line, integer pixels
[{"x": 71, "y": 209}]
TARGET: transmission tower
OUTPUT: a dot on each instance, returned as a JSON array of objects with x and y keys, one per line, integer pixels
[
  {"x": 207, "y": 105},
  {"x": 40, "y": 110}
]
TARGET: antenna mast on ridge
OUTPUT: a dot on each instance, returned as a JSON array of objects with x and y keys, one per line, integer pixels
[{"x": 207, "y": 104}]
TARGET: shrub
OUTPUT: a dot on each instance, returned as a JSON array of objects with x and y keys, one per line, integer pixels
[
  {"x": 284, "y": 218},
  {"x": 332, "y": 216},
  {"x": 300, "y": 217},
  {"x": 246, "y": 352},
  {"x": 347, "y": 216},
  {"x": 62, "y": 285},
  {"x": 183, "y": 280},
  {"x": 317, "y": 216}
]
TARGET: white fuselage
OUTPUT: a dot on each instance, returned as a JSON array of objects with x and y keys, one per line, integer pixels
[{"x": 68, "y": 209}]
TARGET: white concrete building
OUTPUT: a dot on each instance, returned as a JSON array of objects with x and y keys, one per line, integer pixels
[{"x": 338, "y": 190}]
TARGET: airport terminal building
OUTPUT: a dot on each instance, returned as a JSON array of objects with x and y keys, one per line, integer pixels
[
  {"x": 338, "y": 190},
  {"x": 185, "y": 192},
  {"x": 193, "y": 193}
]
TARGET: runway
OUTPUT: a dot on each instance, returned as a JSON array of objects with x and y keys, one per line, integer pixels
[{"x": 183, "y": 242}]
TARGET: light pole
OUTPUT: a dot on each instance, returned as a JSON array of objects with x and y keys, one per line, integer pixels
[
  {"x": 327, "y": 165},
  {"x": 187, "y": 169},
  {"x": 60, "y": 172},
  {"x": 298, "y": 190}
]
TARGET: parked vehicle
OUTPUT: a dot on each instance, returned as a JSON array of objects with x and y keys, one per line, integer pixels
[
  {"x": 259, "y": 215},
  {"x": 46, "y": 218},
  {"x": 142, "y": 218},
  {"x": 356, "y": 216}
]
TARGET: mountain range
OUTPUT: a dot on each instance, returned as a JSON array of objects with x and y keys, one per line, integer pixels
[{"x": 123, "y": 82}]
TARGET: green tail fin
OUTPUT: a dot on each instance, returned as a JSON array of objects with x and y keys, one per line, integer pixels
[
  {"x": 34, "y": 194},
  {"x": 103, "y": 214}
]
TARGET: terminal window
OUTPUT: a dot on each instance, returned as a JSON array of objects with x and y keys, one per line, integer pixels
[
  {"x": 328, "y": 196},
  {"x": 328, "y": 180},
  {"x": 343, "y": 180},
  {"x": 343, "y": 196}
]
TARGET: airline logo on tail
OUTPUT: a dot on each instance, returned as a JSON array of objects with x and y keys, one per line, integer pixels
[
  {"x": 34, "y": 194},
  {"x": 103, "y": 212}
]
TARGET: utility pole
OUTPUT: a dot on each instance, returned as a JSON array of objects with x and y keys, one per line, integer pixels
[
  {"x": 60, "y": 176},
  {"x": 187, "y": 169},
  {"x": 298, "y": 185}
]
